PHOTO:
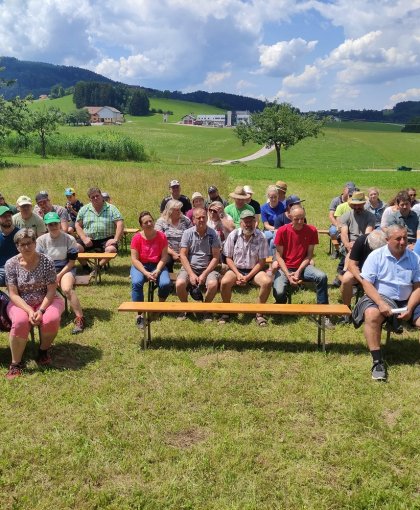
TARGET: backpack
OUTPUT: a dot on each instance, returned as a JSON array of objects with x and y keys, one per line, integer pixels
[{"x": 5, "y": 322}]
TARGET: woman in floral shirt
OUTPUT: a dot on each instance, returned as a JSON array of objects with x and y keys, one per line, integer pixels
[{"x": 32, "y": 282}]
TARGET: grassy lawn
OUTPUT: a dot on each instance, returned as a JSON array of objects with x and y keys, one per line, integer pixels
[{"x": 213, "y": 417}]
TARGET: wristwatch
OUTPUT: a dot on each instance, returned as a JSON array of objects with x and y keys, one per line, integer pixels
[{"x": 42, "y": 311}]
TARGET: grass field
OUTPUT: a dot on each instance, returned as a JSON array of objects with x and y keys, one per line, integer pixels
[{"x": 212, "y": 417}]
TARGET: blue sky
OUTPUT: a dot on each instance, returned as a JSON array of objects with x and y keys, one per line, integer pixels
[{"x": 314, "y": 54}]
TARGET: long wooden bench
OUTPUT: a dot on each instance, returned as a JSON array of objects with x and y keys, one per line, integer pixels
[{"x": 316, "y": 313}]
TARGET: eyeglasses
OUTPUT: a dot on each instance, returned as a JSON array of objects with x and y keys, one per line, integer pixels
[
  {"x": 213, "y": 211},
  {"x": 412, "y": 194},
  {"x": 26, "y": 245}
]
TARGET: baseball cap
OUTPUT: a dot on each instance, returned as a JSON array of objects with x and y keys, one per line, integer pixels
[
  {"x": 195, "y": 195},
  {"x": 293, "y": 199},
  {"x": 350, "y": 185},
  {"x": 69, "y": 191},
  {"x": 23, "y": 200},
  {"x": 281, "y": 185},
  {"x": 249, "y": 190},
  {"x": 4, "y": 209},
  {"x": 42, "y": 195},
  {"x": 196, "y": 293},
  {"x": 105, "y": 195},
  {"x": 246, "y": 214},
  {"x": 212, "y": 189},
  {"x": 173, "y": 183},
  {"x": 51, "y": 217}
]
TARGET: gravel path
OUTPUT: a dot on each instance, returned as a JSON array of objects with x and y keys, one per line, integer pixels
[{"x": 259, "y": 154}]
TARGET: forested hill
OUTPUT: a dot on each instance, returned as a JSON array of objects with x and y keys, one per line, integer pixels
[{"x": 38, "y": 78}]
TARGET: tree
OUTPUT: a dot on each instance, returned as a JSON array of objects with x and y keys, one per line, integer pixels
[
  {"x": 78, "y": 117},
  {"x": 13, "y": 114},
  {"x": 139, "y": 103},
  {"x": 57, "y": 91},
  {"x": 45, "y": 122},
  {"x": 280, "y": 125}
]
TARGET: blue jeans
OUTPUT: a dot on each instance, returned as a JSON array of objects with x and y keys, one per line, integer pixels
[
  {"x": 2, "y": 277},
  {"x": 269, "y": 235},
  {"x": 138, "y": 280},
  {"x": 310, "y": 274}
]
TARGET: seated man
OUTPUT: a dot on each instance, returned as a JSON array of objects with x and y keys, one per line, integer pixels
[
  {"x": 295, "y": 244},
  {"x": 99, "y": 226},
  {"x": 405, "y": 217},
  {"x": 284, "y": 217},
  {"x": 73, "y": 206},
  {"x": 7, "y": 245},
  {"x": 199, "y": 254},
  {"x": 246, "y": 249},
  {"x": 240, "y": 196},
  {"x": 335, "y": 202},
  {"x": 44, "y": 206},
  {"x": 253, "y": 203},
  {"x": 375, "y": 205},
  {"x": 362, "y": 247},
  {"x": 3, "y": 203},
  {"x": 391, "y": 280},
  {"x": 175, "y": 190},
  {"x": 26, "y": 218},
  {"x": 213, "y": 196}
]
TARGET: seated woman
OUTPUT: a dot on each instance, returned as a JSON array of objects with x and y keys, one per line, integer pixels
[
  {"x": 219, "y": 221},
  {"x": 269, "y": 211},
  {"x": 173, "y": 223},
  {"x": 149, "y": 253},
  {"x": 62, "y": 249},
  {"x": 197, "y": 201},
  {"x": 32, "y": 284}
]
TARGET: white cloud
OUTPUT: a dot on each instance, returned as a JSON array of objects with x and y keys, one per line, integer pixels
[
  {"x": 213, "y": 79},
  {"x": 409, "y": 95},
  {"x": 284, "y": 56},
  {"x": 308, "y": 81}
]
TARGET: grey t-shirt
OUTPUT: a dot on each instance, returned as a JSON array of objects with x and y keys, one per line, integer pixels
[
  {"x": 357, "y": 223},
  {"x": 411, "y": 222},
  {"x": 60, "y": 250},
  {"x": 200, "y": 248},
  {"x": 34, "y": 222}
]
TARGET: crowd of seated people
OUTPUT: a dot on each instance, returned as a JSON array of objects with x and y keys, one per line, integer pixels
[{"x": 212, "y": 244}]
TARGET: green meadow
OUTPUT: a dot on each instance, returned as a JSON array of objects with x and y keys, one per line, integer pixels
[{"x": 213, "y": 417}]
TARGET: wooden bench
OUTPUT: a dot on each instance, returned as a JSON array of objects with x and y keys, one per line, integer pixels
[
  {"x": 316, "y": 313},
  {"x": 127, "y": 232},
  {"x": 96, "y": 257}
]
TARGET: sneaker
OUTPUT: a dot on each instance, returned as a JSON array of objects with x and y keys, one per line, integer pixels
[
  {"x": 379, "y": 371},
  {"x": 182, "y": 316},
  {"x": 336, "y": 283},
  {"x": 207, "y": 317},
  {"x": 44, "y": 358},
  {"x": 15, "y": 370},
  {"x": 328, "y": 323},
  {"x": 223, "y": 319},
  {"x": 93, "y": 273},
  {"x": 140, "y": 322},
  {"x": 344, "y": 320},
  {"x": 79, "y": 325},
  {"x": 261, "y": 321}
]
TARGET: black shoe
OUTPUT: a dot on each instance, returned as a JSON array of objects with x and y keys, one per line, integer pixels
[
  {"x": 379, "y": 371},
  {"x": 336, "y": 283}
]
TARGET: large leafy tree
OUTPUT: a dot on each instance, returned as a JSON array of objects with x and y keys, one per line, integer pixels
[
  {"x": 139, "y": 103},
  {"x": 279, "y": 125},
  {"x": 13, "y": 114},
  {"x": 45, "y": 122}
]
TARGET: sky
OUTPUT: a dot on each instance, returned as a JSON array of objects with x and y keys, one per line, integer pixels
[{"x": 344, "y": 54}]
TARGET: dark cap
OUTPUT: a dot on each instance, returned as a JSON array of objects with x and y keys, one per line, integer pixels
[
  {"x": 292, "y": 200},
  {"x": 42, "y": 195},
  {"x": 196, "y": 293},
  {"x": 212, "y": 189}
]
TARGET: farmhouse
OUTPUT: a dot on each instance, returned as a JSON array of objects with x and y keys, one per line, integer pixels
[{"x": 105, "y": 114}]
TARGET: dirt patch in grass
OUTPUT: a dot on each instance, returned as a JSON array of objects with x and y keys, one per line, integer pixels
[
  {"x": 391, "y": 417},
  {"x": 209, "y": 360},
  {"x": 186, "y": 438}
]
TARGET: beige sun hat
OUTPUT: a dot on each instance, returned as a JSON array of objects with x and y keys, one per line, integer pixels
[{"x": 239, "y": 193}]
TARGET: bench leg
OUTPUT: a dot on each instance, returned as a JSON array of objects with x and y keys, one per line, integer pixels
[
  {"x": 147, "y": 336},
  {"x": 33, "y": 345}
]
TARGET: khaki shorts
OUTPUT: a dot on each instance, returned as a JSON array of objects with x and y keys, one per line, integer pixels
[{"x": 213, "y": 275}]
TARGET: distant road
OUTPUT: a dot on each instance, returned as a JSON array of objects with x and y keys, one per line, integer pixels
[{"x": 259, "y": 154}]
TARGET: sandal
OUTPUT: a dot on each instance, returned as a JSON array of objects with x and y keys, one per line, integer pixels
[{"x": 261, "y": 321}]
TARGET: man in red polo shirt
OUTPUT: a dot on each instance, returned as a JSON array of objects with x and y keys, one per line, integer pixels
[{"x": 295, "y": 244}]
